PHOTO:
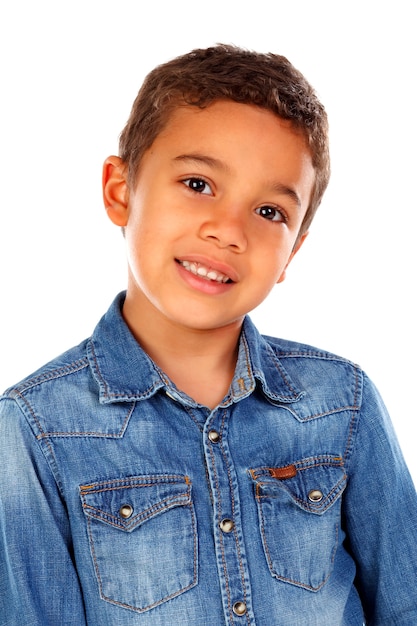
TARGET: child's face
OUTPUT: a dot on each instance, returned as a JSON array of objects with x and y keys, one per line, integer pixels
[{"x": 213, "y": 219}]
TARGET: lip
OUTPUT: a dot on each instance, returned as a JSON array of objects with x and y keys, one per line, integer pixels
[{"x": 217, "y": 266}]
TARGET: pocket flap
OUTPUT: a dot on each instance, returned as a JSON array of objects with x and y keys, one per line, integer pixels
[
  {"x": 313, "y": 484},
  {"x": 129, "y": 502}
]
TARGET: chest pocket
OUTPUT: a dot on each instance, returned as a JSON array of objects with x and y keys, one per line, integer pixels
[
  {"x": 143, "y": 539},
  {"x": 299, "y": 517}
]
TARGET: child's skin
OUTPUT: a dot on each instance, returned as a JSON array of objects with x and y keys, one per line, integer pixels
[{"x": 225, "y": 187}]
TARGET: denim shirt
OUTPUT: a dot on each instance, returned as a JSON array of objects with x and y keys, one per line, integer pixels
[{"x": 124, "y": 502}]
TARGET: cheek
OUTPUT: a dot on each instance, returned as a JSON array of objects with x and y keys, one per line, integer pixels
[
  {"x": 271, "y": 257},
  {"x": 139, "y": 249},
  {"x": 271, "y": 264}
]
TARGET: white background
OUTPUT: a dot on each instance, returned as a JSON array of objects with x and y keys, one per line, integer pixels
[{"x": 69, "y": 74}]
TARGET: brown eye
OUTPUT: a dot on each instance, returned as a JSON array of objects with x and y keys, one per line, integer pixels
[
  {"x": 198, "y": 185},
  {"x": 270, "y": 213}
]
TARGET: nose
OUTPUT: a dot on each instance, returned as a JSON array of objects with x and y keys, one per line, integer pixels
[{"x": 226, "y": 228}]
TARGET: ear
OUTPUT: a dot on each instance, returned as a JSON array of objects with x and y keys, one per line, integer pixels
[
  {"x": 296, "y": 248},
  {"x": 115, "y": 190}
]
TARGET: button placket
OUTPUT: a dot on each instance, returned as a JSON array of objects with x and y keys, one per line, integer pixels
[{"x": 230, "y": 556}]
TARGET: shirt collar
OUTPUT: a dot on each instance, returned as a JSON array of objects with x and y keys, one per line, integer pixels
[
  {"x": 258, "y": 358},
  {"x": 124, "y": 372}
]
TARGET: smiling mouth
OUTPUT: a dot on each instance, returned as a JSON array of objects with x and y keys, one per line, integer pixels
[{"x": 208, "y": 273}]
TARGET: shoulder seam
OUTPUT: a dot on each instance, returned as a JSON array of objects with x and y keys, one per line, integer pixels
[
  {"x": 59, "y": 372},
  {"x": 310, "y": 354}
]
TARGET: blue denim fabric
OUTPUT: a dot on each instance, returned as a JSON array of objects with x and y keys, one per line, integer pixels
[{"x": 123, "y": 502}]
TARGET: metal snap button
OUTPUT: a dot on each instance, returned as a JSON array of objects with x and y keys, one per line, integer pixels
[
  {"x": 214, "y": 436},
  {"x": 315, "y": 495},
  {"x": 126, "y": 511},
  {"x": 239, "y": 608},
  {"x": 227, "y": 525}
]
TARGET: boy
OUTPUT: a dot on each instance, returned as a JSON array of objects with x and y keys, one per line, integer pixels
[{"x": 177, "y": 467}]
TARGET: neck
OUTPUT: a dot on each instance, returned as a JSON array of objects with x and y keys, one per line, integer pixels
[{"x": 201, "y": 362}]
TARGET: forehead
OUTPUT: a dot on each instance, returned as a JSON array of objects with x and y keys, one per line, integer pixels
[
  {"x": 226, "y": 120},
  {"x": 242, "y": 138},
  {"x": 221, "y": 112}
]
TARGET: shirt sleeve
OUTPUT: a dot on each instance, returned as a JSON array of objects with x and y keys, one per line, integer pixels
[
  {"x": 38, "y": 581},
  {"x": 380, "y": 512}
]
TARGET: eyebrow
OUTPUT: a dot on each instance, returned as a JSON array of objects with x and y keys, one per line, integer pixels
[
  {"x": 198, "y": 158},
  {"x": 287, "y": 191}
]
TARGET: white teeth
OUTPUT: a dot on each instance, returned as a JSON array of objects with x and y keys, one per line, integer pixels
[{"x": 204, "y": 272}]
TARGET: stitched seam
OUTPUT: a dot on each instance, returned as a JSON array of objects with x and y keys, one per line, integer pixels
[
  {"x": 329, "y": 497},
  {"x": 351, "y": 425},
  {"x": 192, "y": 416},
  {"x": 122, "y": 394},
  {"x": 134, "y": 482},
  {"x": 146, "y": 392},
  {"x": 321, "y": 461},
  {"x": 130, "y": 395},
  {"x": 282, "y": 372},
  {"x": 195, "y": 560},
  {"x": 48, "y": 443},
  {"x": 247, "y": 354},
  {"x": 148, "y": 513},
  {"x": 219, "y": 517},
  {"x": 324, "y": 414},
  {"x": 76, "y": 366},
  {"x": 78, "y": 434},
  {"x": 312, "y": 354},
  {"x": 304, "y": 464},
  {"x": 90, "y": 433},
  {"x": 235, "y": 534},
  {"x": 35, "y": 419}
]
